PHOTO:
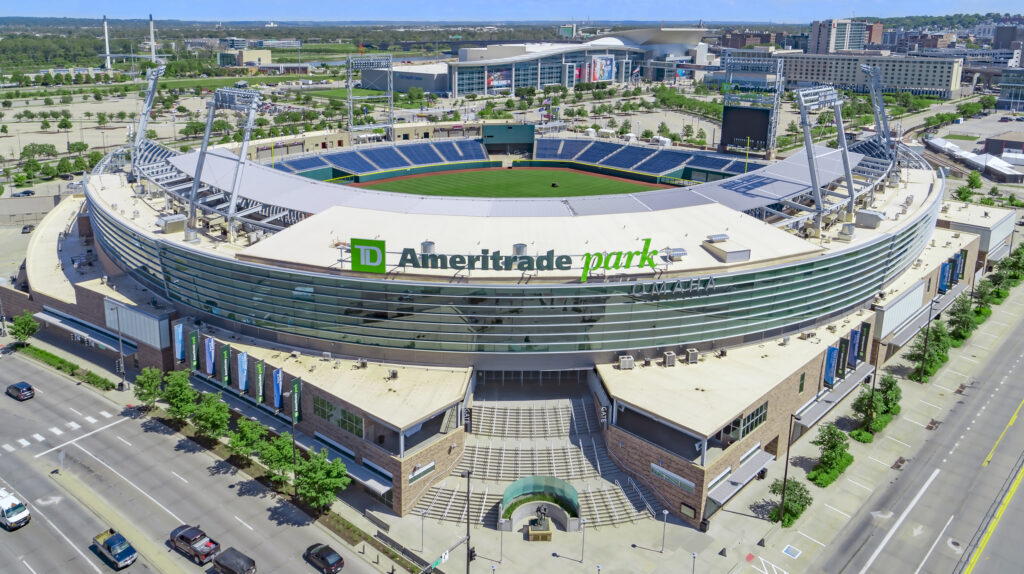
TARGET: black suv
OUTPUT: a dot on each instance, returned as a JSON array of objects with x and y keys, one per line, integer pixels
[{"x": 21, "y": 391}]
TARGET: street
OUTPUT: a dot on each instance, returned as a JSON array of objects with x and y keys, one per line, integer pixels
[{"x": 137, "y": 475}]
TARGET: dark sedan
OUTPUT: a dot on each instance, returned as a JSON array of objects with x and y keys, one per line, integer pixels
[
  {"x": 324, "y": 558},
  {"x": 21, "y": 391}
]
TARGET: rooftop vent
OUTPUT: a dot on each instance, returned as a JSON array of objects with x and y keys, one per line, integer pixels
[
  {"x": 519, "y": 249},
  {"x": 393, "y": 374},
  {"x": 692, "y": 356},
  {"x": 427, "y": 247},
  {"x": 625, "y": 362},
  {"x": 675, "y": 253},
  {"x": 670, "y": 359},
  {"x": 717, "y": 237}
]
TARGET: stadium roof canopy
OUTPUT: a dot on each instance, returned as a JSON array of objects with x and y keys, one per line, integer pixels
[{"x": 763, "y": 187}]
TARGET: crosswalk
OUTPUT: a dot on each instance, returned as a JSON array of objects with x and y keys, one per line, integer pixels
[{"x": 56, "y": 431}]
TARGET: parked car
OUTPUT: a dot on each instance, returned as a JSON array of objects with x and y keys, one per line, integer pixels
[
  {"x": 21, "y": 391},
  {"x": 324, "y": 558},
  {"x": 115, "y": 548},
  {"x": 232, "y": 561},
  {"x": 13, "y": 512},
  {"x": 194, "y": 543},
  {"x": 67, "y": 176},
  {"x": 23, "y": 193},
  {"x": 1019, "y": 119},
  {"x": 28, "y": 228}
]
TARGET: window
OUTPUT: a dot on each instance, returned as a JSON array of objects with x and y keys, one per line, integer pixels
[
  {"x": 347, "y": 421},
  {"x": 754, "y": 419},
  {"x": 802, "y": 377},
  {"x": 687, "y": 510}
]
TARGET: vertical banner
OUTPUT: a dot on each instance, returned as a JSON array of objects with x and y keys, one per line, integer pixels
[
  {"x": 296, "y": 411},
  {"x": 844, "y": 349},
  {"x": 830, "y": 366},
  {"x": 210, "y": 343},
  {"x": 963, "y": 262},
  {"x": 278, "y": 380},
  {"x": 854, "y": 348},
  {"x": 865, "y": 340},
  {"x": 944, "y": 278},
  {"x": 259, "y": 381},
  {"x": 179, "y": 342},
  {"x": 243, "y": 371},
  {"x": 958, "y": 268},
  {"x": 193, "y": 341},
  {"x": 225, "y": 362}
]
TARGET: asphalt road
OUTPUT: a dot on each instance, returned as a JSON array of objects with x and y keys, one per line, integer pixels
[
  {"x": 137, "y": 475},
  {"x": 937, "y": 510}
]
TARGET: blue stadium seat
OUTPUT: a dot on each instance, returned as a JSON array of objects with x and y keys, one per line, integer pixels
[
  {"x": 708, "y": 162},
  {"x": 305, "y": 163},
  {"x": 385, "y": 157},
  {"x": 547, "y": 149},
  {"x": 350, "y": 161},
  {"x": 628, "y": 157},
  {"x": 597, "y": 151},
  {"x": 663, "y": 161},
  {"x": 447, "y": 151},
  {"x": 471, "y": 150},
  {"x": 572, "y": 148},
  {"x": 421, "y": 154},
  {"x": 283, "y": 167}
]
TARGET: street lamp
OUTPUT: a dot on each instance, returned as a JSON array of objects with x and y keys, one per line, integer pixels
[
  {"x": 598, "y": 569},
  {"x": 469, "y": 551},
  {"x": 785, "y": 473},
  {"x": 583, "y": 545},
  {"x": 423, "y": 517},
  {"x": 287, "y": 395},
  {"x": 693, "y": 567},
  {"x": 664, "y": 522},
  {"x": 501, "y": 536},
  {"x": 927, "y": 333}
]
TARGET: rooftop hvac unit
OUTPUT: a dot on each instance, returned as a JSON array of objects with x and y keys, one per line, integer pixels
[
  {"x": 135, "y": 214},
  {"x": 327, "y": 355},
  {"x": 361, "y": 363},
  {"x": 785, "y": 340},
  {"x": 717, "y": 237},
  {"x": 692, "y": 356},
  {"x": 670, "y": 359},
  {"x": 945, "y": 208},
  {"x": 647, "y": 361},
  {"x": 625, "y": 362},
  {"x": 519, "y": 249},
  {"x": 909, "y": 201},
  {"x": 427, "y": 247},
  {"x": 393, "y": 374},
  {"x": 295, "y": 354},
  {"x": 676, "y": 253}
]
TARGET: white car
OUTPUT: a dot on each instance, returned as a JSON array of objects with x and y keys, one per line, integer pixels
[{"x": 13, "y": 512}]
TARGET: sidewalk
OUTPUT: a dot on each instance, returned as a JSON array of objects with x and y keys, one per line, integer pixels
[{"x": 87, "y": 358}]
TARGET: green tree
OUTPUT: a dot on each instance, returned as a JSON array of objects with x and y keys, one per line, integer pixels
[
  {"x": 78, "y": 147},
  {"x": 277, "y": 455},
  {"x": 974, "y": 180},
  {"x": 925, "y": 363},
  {"x": 24, "y": 326},
  {"x": 987, "y": 102},
  {"x": 833, "y": 445},
  {"x": 994, "y": 192},
  {"x": 180, "y": 396},
  {"x": 889, "y": 389},
  {"x": 47, "y": 101},
  {"x": 64, "y": 166},
  {"x": 647, "y": 134},
  {"x": 318, "y": 480},
  {"x": 792, "y": 127},
  {"x": 798, "y": 498},
  {"x": 94, "y": 158},
  {"x": 963, "y": 193},
  {"x": 688, "y": 131},
  {"x": 960, "y": 317},
  {"x": 415, "y": 94},
  {"x": 151, "y": 134},
  {"x": 45, "y": 125},
  {"x": 246, "y": 439},
  {"x": 64, "y": 124},
  {"x": 101, "y": 119},
  {"x": 702, "y": 135},
  {"x": 866, "y": 408},
  {"x": 211, "y": 416},
  {"x": 147, "y": 386},
  {"x": 49, "y": 171},
  {"x": 81, "y": 164}
]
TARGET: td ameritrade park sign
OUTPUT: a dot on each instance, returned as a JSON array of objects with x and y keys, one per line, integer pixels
[{"x": 368, "y": 256}]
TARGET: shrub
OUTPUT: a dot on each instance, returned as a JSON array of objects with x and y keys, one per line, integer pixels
[
  {"x": 49, "y": 358},
  {"x": 97, "y": 381},
  {"x": 880, "y": 422},
  {"x": 861, "y": 435},
  {"x": 825, "y": 476},
  {"x": 538, "y": 497}
]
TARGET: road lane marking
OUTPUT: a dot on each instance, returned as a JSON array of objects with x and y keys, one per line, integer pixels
[
  {"x": 9, "y": 448},
  {"x": 105, "y": 414},
  {"x": 23, "y": 442},
  {"x": 35, "y": 510},
  {"x": 73, "y": 425},
  {"x": 76, "y": 412},
  {"x": 1013, "y": 419},
  {"x": 995, "y": 521},
  {"x": 811, "y": 539},
  {"x": 29, "y": 567},
  {"x": 937, "y": 538},
  {"x": 38, "y": 437},
  {"x": 124, "y": 441},
  {"x": 63, "y": 444},
  {"x": 909, "y": 420},
  {"x": 90, "y": 420},
  {"x": 179, "y": 477},
  {"x": 899, "y": 521},
  {"x": 859, "y": 484},
  {"x": 959, "y": 374},
  {"x": 837, "y": 510},
  {"x": 121, "y": 476},
  {"x": 947, "y": 389},
  {"x": 243, "y": 523},
  {"x": 56, "y": 431},
  {"x": 969, "y": 359}
]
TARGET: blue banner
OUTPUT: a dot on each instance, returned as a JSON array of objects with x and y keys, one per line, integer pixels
[
  {"x": 278, "y": 381},
  {"x": 243, "y": 371},
  {"x": 830, "y": 366},
  {"x": 210, "y": 344},
  {"x": 854, "y": 348},
  {"x": 944, "y": 278},
  {"x": 958, "y": 268},
  {"x": 179, "y": 342}
]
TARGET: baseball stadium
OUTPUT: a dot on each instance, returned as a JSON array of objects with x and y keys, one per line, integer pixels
[{"x": 628, "y": 327}]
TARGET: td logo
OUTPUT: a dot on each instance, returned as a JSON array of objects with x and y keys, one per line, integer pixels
[{"x": 368, "y": 255}]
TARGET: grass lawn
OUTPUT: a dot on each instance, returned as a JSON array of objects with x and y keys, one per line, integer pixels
[
  {"x": 960, "y": 137},
  {"x": 519, "y": 182},
  {"x": 342, "y": 93}
]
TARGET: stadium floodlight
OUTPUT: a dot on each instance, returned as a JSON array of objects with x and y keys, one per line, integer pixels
[{"x": 818, "y": 98}]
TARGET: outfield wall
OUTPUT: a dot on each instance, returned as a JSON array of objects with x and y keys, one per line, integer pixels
[
  {"x": 587, "y": 167},
  {"x": 426, "y": 169}
]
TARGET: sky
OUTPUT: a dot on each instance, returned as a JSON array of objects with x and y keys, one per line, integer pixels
[{"x": 777, "y": 11}]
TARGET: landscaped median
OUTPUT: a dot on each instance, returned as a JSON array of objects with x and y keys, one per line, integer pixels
[{"x": 65, "y": 366}]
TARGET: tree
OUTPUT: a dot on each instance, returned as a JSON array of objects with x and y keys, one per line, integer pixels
[
  {"x": 688, "y": 131},
  {"x": 868, "y": 405},
  {"x": 64, "y": 124},
  {"x": 45, "y": 125},
  {"x": 246, "y": 439},
  {"x": 994, "y": 192},
  {"x": 147, "y": 386},
  {"x": 702, "y": 135},
  {"x": 647, "y": 134},
  {"x": 64, "y": 166},
  {"x": 318, "y": 480},
  {"x": 974, "y": 180},
  {"x": 47, "y": 101},
  {"x": 151, "y": 134},
  {"x": 798, "y": 498},
  {"x": 889, "y": 389},
  {"x": 963, "y": 193},
  {"x": 961, "y": 317},
  {"x": 415, "y": 94},
  {"x": 24, "y": 326},
  {"x": 792, "y": 127},
  {"x": 833, "y": 445},
  {"x": 925, "y": 363},
  {"x": 101, "y": 119},
  {"x": 78, "y": 147},
  {"x": 987, "y": 102},
  {"x": 211, "y": 416},
  {"x": 49, "y": 171},
  {"x": 180, "y": 396},
  {"x": 277, "y": 455},
  {"x": 94, "y": 158},
  {"x": 81, "y": 164}
]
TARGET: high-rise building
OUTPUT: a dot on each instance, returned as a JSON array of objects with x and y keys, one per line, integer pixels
[
  {"x": 829, "y": 36},
  {"x": 1011, "y": 90},
  {"x": 873, "y": 33},
  {"x": 737, "y": 39},
  {"x": 1005, "y": 36}
]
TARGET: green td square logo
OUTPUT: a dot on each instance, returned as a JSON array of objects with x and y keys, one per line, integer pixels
[{"x": 367, "y": 255}]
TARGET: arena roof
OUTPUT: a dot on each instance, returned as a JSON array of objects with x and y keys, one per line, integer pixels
[{"x": 762, "y": 187}]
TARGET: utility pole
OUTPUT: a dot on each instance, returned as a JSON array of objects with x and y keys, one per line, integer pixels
[{"x": 469, "y": 550}]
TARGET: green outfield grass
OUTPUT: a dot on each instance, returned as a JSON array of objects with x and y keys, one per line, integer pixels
[{"x": 519, "y": 182}]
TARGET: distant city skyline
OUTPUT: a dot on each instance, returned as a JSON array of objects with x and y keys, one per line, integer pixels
[{"x": 774, "y": 11}]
